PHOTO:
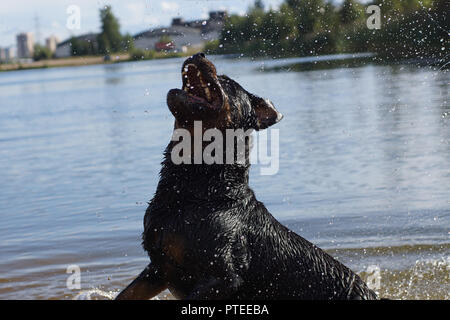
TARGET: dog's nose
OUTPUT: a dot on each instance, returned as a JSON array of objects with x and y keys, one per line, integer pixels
[{"x": 199, "y": 55}]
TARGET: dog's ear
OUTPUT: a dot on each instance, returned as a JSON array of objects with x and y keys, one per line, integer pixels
[{"x": 265, "y": 113}]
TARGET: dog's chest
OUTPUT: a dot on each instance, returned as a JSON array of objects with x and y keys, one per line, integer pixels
[
  {"x": 188, "y": 238},
  {"x": 174, "y": 237}
]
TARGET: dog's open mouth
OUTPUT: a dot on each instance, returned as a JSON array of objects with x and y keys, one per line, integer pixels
[
  {"x": 201, "y": 94},
  {"x": 202, "y": 87}
]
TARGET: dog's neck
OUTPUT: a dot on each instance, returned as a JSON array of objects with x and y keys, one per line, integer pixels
[{"x": 202, "y": 182}]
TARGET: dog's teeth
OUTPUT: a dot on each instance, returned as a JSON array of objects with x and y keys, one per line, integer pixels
[
  {"x": 198, "y": 74},
  {"x": 208, "y": 94}
]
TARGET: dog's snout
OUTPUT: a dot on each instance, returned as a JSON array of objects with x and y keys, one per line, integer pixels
[
  {"x": 199, "y": 55},
  {"x": 196, "y": 59}
]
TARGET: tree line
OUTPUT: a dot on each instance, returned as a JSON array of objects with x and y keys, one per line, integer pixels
[
  {"x": 108, "y": 41},
  {"x": 409, "y": 29}
]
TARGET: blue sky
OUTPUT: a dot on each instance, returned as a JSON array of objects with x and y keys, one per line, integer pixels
[{"x": 135, "y": 15}]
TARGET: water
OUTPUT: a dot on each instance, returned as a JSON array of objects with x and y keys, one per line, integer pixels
[{"x": 364, "y": 170}]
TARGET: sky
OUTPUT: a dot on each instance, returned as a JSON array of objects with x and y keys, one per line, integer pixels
[{"x": 51, "y": 16}]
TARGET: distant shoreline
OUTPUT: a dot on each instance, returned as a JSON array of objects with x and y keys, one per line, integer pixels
[
  {"x": 314, "y": 62},
  {"x": 85, "y": 61},
  {"x": 62, "y": 62}
]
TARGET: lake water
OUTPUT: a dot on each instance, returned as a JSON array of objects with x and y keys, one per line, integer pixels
[{"x": 364, "y": 170}]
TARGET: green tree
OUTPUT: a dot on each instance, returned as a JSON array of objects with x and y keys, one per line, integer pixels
[
  {"x": 110, "y": 39},
  {"x": 82, "y": 47},
  {"x": 41, "y": 53},
  {"x": 351, "y": 11},
  {"x": 128, "y": 43},
  {"x": 441, "y": 5},
  {"x": 259, "y": 4},
  {"x": 410, "y": 33},
  {"x": 411, "y": 29},
  {"x": 396, "y": 8},
  {"x": 309, "y": 14}
]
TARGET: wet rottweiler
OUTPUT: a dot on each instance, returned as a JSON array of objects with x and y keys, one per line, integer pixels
[{"x": 207, "y": 235}]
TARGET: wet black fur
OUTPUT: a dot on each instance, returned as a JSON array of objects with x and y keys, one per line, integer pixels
[{"x": 229, "y": 246}]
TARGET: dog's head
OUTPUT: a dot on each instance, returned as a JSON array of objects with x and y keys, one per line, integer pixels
[{"x": 216, "y": 100}]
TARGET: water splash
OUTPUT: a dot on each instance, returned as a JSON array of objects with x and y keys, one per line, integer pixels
[
  {"x": 98, "y": 294},
  {"x": 427, "y": 279},
  {"x": 95, "y": 294}
]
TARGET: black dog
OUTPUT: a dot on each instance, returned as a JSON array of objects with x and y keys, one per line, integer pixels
[{"x": 206, "y": 234}]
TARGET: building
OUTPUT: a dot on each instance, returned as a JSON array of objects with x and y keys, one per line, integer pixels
[
  {"x": 10, "y": 54},
  {"x": 180, "y": 36},
  {"x": 183, "y": 34},
  {"x": 178, "y": 22},
  {"x": 64, "y": 49},
  {"x": 25, "y": 45},
  {"x": 6, "y": 54},
  {"x": 2, "y": 55},
  {"x": 51, "y": 43},
  {"x": 214, "y": 25}
]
